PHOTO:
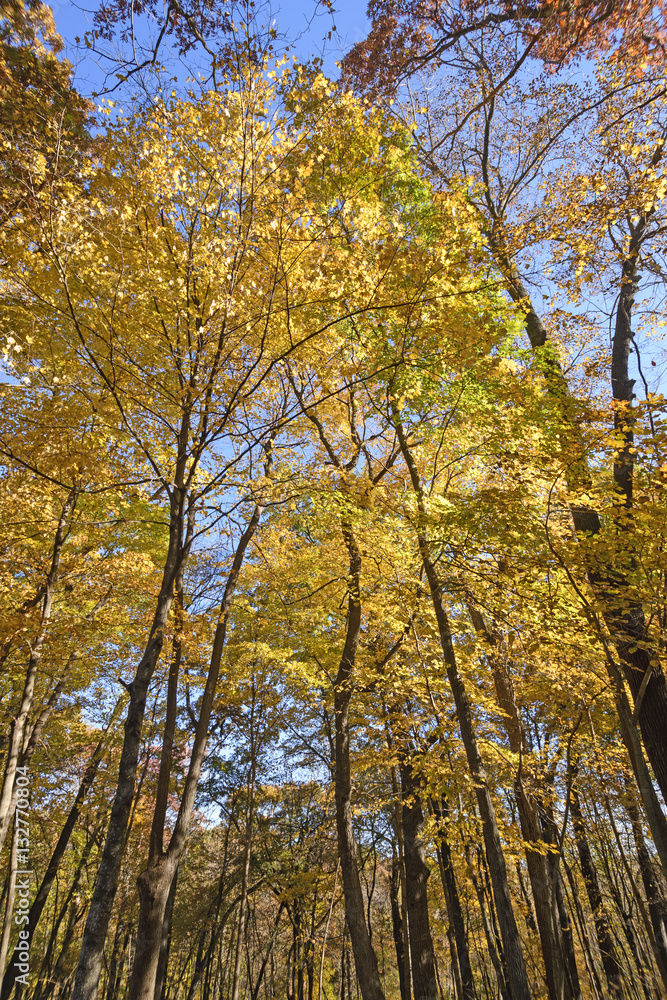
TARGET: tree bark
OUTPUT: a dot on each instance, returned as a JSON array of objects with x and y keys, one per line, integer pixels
[
  {"x": 527, "y": 793},
  {"x": 155, "y": 881},
  {"x": 623, "y": 614},
  {"x": 397, "y": 926},
  {"x": 165, "y": 942},
  {"x": 42, "y": 894},
  {"x": 610, "y": 964},
  {"x": 654, "y": 889},
  {"x": 453, "y": 902},
  {"x": 8, "y": 792},
  {"x": 422, "y": 956},
  {"x": 364, "y": 957},
  {"x": 516, "y": 975},
  {"x": 566, "y": 927},
  {"x": 95, "y": 932},
  {"x": 9, "y": 903},
  {"x": 400, "y": 916},
  {"x": 250, "y": 810}
]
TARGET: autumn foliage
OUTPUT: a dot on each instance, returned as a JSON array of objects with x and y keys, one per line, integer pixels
[
  {"x": 406, "y": 37},
  {"x": 333, "y": 567}
]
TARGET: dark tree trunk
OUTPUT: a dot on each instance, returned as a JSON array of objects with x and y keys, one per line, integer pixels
[
  {"x": 9, "y": 788},
  {"x": 610, "y": 964},
  {"x": 397, "y": 926},
  {"x": 42, "y": 894},
  {"x": 493, "y": 945},
  {"x": 165, "y": 942},
  {"x": 517, "y": 978},
  {"x": 624, "y": 615},
  {"x": 254, "y": 993},
  {"x": 424, "y": 981},
  {"x": 365, "y": 960},
  {"x": 641, "y": 664},
  {"x": 155, "y": 882},
  {"x": 453, "y": 902},
  {"x": 117, "y": 961},
  {"x": 154, "y": 888},
  {"x": 106, "y": 885},
  {"x": 400, "y": 916},
  {"x": 566, "y": 927},
  {"x": 527, "y": 789},
  {"x": 583, "y": 933},
  {"x": 654, "y": 889}
]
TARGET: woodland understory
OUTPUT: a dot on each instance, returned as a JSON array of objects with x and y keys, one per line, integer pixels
[{"x": 333, "y": 459}]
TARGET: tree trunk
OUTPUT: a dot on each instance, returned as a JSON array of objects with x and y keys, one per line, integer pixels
[
  {"x": 165, "y": 942},
  {"x": 582, "y": 932},
  {"x": 493, "y": 944},
  {"x": 154, "y": 883},
  {"x": 236, "y": 982},
  {"x": 400, "y": 918},
  {"x": 365, "y": 960},
  {"x": 566, "y": 927},
  {"x": 8, "y": 791},
  {"x": 154, "y": 887},
  {"x": 424, "y": 981},
  {"x": 654, "y": 889},
  {"x": 254, "y": 993},
  {"x": 517, "y": 978},
  {"x": 527, "y": 793},
  {"x": 610, "y": 964},
  {"x": 41, "y": 897},
  {"x": 397, "y": 926},
  {"x": 623, "y": 614},
  {"x": 453, "y": 902},
  {"x": 95, "y": 932},
  {"x": 640, "y": 661},
  {"x": 9, "y": 904}
]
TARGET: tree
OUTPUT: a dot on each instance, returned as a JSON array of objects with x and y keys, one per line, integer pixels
[
  {"x": 546, "y": 118},
  {"x": 408, "y": 35},
  {"x": 296, "y": 447},
  {"x": 42, "y": 117}
]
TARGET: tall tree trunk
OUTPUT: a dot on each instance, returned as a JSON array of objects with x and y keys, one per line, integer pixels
[
  {"x": 400, "y": 915},
  {"x": 155, "y": 881},
  {"x": 326, "y": 933},
  {"x": 582, "y": 932},
  {"x": 254, "y": 992},
  {"x": 165, "y": 942},
  {"x": 453, "y": 902},
  {"x": 204, "y": 956},
  {"x": 365, "y": 960},
  {"x": 250, "y": 811},
  {"x": 116, "y": 963},
  {"x": 653, "y": 887},
  {"x": 424, "y": 981},
  {"x": 610, "y": 964},
  {"x": 527, "y": 788},
  {"x": 106, "y": 885},
  {"x": 626, "y": 619},
  {"x": 517, "y": 978},
  {"x": 566, "y": 927},
  {"x": 42, "y": 894},
  {"x": 623, "y": 613},
  {"x": 493, "y": 944},
  {"x": 9, "y": 903},
  {"x": 8, "y": 791},
  {"x": 60, "y": 914},
  {"x": 397, "y": 925}
]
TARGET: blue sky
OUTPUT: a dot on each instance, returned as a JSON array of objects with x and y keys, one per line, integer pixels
[{"x": 304, "y": 21}]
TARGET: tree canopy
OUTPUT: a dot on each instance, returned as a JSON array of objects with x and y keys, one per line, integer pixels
[{"x": 332, "y": 575}]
